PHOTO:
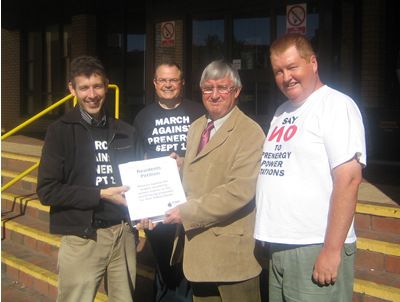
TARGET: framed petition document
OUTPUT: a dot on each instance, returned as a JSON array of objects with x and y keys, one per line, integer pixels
[{"x": 154, "y": 187}]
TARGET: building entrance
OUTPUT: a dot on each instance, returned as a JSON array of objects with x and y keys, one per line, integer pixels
[{"x": 243, "y": 40}]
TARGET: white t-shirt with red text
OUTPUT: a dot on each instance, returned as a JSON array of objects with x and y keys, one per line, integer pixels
[{"x": 303, "y": 145}]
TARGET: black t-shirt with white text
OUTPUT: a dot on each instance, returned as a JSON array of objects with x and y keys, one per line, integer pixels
[
  {"x": 164, "y": 131},
  {"x": 104, "y": 175}
]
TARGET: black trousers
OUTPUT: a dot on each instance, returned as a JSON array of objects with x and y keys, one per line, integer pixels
[{"x": 170, "y": 285}]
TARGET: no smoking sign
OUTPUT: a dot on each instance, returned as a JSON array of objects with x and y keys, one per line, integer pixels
[
  {"x": 296, "y": 17},
  {"x": 168, "y": 33}
]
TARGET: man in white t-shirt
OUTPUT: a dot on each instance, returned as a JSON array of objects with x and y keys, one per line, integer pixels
[{"x": 311, "y": 169}]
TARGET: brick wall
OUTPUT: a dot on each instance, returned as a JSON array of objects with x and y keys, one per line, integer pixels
[
  {"x": 10, "y": 78},
  {"x": 83, "y": 35}
]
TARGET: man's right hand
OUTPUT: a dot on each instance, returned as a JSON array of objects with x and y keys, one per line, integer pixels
[
  {"x": 145, "y": 224},
  {"x": 179, "y": 160},
  {"x": 115, "y": 195}
]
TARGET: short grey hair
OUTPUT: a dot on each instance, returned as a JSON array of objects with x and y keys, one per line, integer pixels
[{"x": 220, "y": 69}]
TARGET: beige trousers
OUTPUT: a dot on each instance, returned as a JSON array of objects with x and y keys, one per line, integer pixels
[{"x": 82, "y": 263}]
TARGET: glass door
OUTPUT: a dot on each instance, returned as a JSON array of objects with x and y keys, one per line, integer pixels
[
  {"x": 208, "y": 44},
  {"x": 134, "y": 72},
  {"x": 244, "y": 40},
  {"x": 45, "y": 55},
  {"x": 123, "y": 54},
  {"x": 250, "y": 55}
]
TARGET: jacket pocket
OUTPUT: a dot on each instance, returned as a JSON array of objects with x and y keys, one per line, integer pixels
[{"x": 228, "y": 231}]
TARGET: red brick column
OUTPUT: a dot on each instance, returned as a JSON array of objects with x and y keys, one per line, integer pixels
[{"x": 83, "y": 35}]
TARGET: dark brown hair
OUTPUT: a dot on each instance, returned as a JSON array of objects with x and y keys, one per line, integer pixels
[{"x": 87, "y": 66}]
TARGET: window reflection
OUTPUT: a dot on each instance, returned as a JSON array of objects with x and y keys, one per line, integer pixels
[
  {"x": 135, "y": 49},
  {"x": 207, "y": 45},
  {"x": 251, "y": 39}
]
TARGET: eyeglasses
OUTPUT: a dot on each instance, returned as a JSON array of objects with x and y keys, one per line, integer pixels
[
  {"x": 220, "y": 89},
  {"x": 169, "y": 81}
]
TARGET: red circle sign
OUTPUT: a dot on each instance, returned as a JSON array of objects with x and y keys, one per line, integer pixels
[
  {"x": 168, "y": 30},
  {"x": 296, "y": 15}
]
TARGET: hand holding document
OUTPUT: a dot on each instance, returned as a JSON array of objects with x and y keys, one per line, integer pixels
[{"x": 155, "y": 187}]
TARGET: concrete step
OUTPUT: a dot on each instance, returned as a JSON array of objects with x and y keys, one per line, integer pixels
[
  {"x": 372, "y": 218},
  {"x": 24, "y": 145},
  {"x": 367, "y": 291},
  {"x": 387, "y": 266},
  {"x": 31, "y": 233},
  {"x": 14, "y": 164},
  {"x": 26, "y": 185},
  {"x": 377, "y": 262},
  {"x": 27, "y": 205},
  {"x": 18, "y": 162},
  {"x": 375, "y": 218},
  {"x": 16, "y": 291},
  {"x": 32, "y": 269}
]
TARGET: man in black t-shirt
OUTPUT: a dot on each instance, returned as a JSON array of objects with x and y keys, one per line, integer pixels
[
  {"x": 79, "y": 179},
  {"x": 164, "y": 124},
  {"x": 162, "y": 127}
]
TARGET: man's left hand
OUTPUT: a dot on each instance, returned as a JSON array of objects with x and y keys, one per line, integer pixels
[
  {"x": 173, "y": 216},
  {"x": 326, "y": 267}
]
